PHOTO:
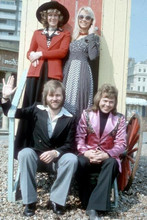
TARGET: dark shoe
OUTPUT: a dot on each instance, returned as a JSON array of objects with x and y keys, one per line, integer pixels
[
  {"x": 58, "y": 209},
  {"x": 93, "y": 215},
  {"x": 30, "y": 209}
]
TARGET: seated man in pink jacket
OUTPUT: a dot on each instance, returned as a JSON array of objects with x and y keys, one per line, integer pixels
[{"x": 100, "y": 138}]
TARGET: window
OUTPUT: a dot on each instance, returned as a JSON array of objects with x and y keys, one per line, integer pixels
[
  {"x": 144, "y": 70},
  {"x": 11, "y": 23},
  {"x": 8, "y": 2},
  {"x": 143, "y": 79},
  {"x": 11, "y": 33},
  {"x": 3, "y": 21},
  {"x": 139, "y": 79},
  {"x": 143, "y": 88},
  {"x": 143, "y": 111},
  {"x": 138, "y": 88},
  {"x": 139, "y": 70}
]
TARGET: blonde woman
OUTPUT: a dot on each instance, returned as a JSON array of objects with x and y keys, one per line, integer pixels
[{"x": 77, "y": 74}]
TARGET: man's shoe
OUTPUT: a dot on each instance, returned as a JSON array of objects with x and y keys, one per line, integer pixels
[
  {"x": 58, "y": 209},
  {"x": 93, "y": 215},
  {"x": 30, "y": 209}
]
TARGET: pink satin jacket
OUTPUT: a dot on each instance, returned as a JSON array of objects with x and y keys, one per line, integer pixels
[{"x": 113, "y": 139}]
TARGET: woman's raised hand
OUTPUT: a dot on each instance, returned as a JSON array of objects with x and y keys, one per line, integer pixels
[
  {"x": 93, "y": 28},
  {"x": 8, "y": 88}
]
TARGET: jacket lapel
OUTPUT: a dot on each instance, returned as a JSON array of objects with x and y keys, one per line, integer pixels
[
  {"x": 110, "y": 125},
  {"x": 96, "y": 123},
  {"x": 56, "y": 40},
  {"x": 44, "y": 116},
  {"x": 42, "y": 39},
  {"x": 60, "y": 125}
]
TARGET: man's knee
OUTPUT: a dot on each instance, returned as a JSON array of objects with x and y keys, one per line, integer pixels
[
  {"x": 70, "y": 160},
  {"x": 83, "y": 164},
  {"x": 111, "y": 162},
  {"x": 25, "y": 153}
]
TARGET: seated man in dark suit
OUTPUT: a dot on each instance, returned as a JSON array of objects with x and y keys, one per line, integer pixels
[{"x": 51, "y": 145}]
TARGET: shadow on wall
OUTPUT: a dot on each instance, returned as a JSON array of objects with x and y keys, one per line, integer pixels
[
  {"x": 94, "y": 64},
  {"x": 106, "y": 68}
]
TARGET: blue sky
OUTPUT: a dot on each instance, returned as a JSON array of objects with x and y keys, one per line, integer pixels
[{"x": 138, "y": 30}]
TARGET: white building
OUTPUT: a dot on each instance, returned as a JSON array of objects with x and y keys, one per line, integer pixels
[
  {"x": 10, "y": 19},
  {"x": 136, "y": 100},
  {"x": 137, "y": 76}
]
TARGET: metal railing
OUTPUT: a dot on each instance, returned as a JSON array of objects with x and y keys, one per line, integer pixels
[{"x": 12, "y": 184}]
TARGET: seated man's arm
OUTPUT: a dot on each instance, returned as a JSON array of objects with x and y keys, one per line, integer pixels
[{"x": 81, "y": 134}]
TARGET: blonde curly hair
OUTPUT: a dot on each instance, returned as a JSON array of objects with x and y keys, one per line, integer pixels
[{"x": 44, "y": 15}]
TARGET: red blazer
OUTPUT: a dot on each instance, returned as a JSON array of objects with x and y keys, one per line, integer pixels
[{"x": 54, "y": 54}]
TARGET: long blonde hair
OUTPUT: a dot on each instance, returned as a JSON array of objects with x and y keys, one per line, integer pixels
[{"x": 76, "y": 29}]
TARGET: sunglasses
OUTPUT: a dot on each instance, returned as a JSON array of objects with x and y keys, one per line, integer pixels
[{"x": 87, "y": 18}]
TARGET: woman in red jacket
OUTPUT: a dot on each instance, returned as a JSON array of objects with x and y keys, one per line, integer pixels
[{"x": 47, "y": 49}]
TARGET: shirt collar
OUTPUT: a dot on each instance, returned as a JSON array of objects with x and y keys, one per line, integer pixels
[
  {"x": 60, "y": 114},
  {"x": 57, "y": 32}
]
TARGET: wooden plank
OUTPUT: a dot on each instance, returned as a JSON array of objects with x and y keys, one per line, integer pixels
[
  {"x": 74, "y": 6},
  {"x": 115, "y": 46}
]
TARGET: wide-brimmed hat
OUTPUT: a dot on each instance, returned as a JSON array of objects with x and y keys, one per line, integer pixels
[{"x": 53, "y": 5}]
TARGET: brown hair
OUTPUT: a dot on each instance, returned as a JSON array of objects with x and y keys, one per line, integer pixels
[
  {"x": 44, "y": 15},
  {"x": 108, "y": 91},
  {"x": 50, "y": 87}
]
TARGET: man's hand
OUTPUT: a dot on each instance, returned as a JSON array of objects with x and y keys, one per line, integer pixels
[
  {"x": 48, "y": 156},
  {"x": 89, "y": 154},
  {"x": 8, "y": 88},
  {"x": 96, "y": 156}
]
